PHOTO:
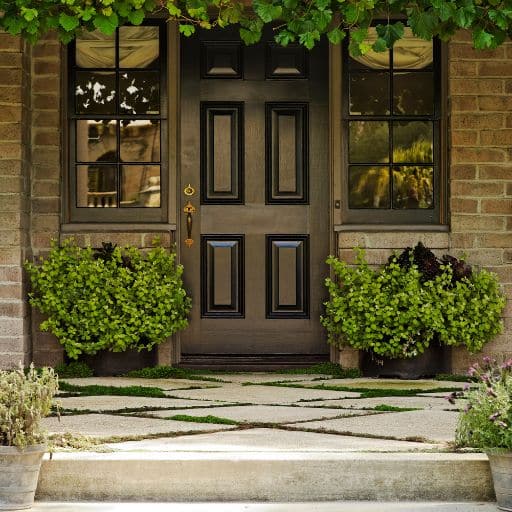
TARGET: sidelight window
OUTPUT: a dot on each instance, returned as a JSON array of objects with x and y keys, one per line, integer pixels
[
  {"x": 392, "y": 134},
  {"x": 117, "y": 126}
]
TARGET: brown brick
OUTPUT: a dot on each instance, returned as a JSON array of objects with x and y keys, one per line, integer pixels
[
  {"x": 45, "y": 205},
  {"x": 477, "y": 121},
  {"x": 509, "y": 189},
  {"x": 503, "y": 240},
  {"x": 11, "y": 291},
  {"x": 10, "y": 60},
  {"x": 495, "y": 103},
  {"x": 47, "y": 67},
  {"x": 463, "y": 172},
  {"x": 477, "y": 188},
  {"x": 463, "y": 68},
  {"x": 121, "y": 239},
  {"x": 507, "y": 258},
  {"x": 466, "y": 51},
  {"x": 9, "y": 43},
  {"x": 464, "y": 103},
  {"x": 13, "y": 309},
  {"x": 458, "y": 205},
  {"x": 10, "y": 77},
  {"x": 462, "y": 241},
  {"x": 502, "y": 69},
  {"x": 10, "y": 131},
  {"x": 48, "y": 137},
  {"x": 497, "y": 206},
  {"x": 46, "y": 171},
  {"x": 44, "y": 101},
  {"x": 464, "y": 137},
  {"x": 495, "y": 172},
  {"x": 477, "y": 223},
  {"x": 476, "y": 86},
  {"x": 484, "y": 257},
  {"x": 9, "y": 150},
  {"x": 48, "y": 155},
  {"x": 11, "y": 184},
  {"x": 496, "y": 137},
  {"x": 45, "y": 84},
  {"x": 472, "y": 155},
  {"x": 46, "y": 119},
  {"x": 45, "y": 222},
  {"x": 46, "y": 188},
  {"x": 504, "y": 272},
  {"x": 10, "y": 114},
  {"x": 10, "y": 94}
]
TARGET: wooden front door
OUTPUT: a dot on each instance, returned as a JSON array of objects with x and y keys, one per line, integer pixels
[{"x": 254, "y": 139}]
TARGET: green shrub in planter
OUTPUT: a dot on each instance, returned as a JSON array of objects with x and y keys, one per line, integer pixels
[
  {"x": 398, "y": 310},
  {"x": 110, "y": 299}
]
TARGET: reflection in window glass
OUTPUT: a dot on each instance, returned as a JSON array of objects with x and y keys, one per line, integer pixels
[
  {"x": 413, "y": 187},
  {"x": 413, "y": 93},
  {"x": 369, "y": 187},
  {"x": 369, "y": 141},
  {"x": 95, "y": 92},
  {"x": 138, "y": 47},
  {"x": 139, "y": 92},
  {"x": 369, "y": 93},
  {"x": 95, "y": 50},
  {"x": 371, "y": 59},
  {"x": 140, "y": 186},
  {"x": 97, "y": 186},
  {"x": 140, "y": 141},
  {"x": 412, "y": 53},
  {"x": 412, "y": 141},
  {"x": 96, "y": 140}
]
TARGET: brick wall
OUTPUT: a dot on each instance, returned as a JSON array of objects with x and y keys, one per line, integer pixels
[
  {"x": 481, "y": 168},
  {"x": 14, "y": 205}
]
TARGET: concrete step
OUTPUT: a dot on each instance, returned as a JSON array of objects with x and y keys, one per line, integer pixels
[{"x": 279, "y": 476}]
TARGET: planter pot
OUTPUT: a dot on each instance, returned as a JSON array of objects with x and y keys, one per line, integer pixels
[
  {"x": 501, "y": 469},
  {"x": 19, "y": 472},
  {"x": 106, "y": 364},
  {"x": 435, "y": 360}
]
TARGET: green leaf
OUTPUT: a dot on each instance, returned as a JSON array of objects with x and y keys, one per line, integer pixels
[
  {"x": 68, "y": 23},
  {"x": 187, "y": 30},
  {"x": 423, "y": 24},
  {"x": 336, "y": 35},
  {"x": 106, "y": 24},
  {"x": 136, "y": 17},
  {"x": 390, "y": 33},
  {"x": 482, "y": 39},
  {"x": 267, "y": 11}
]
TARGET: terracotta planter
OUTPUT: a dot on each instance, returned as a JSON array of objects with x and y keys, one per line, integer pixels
[
  {"x": 501, "y": 469},
  {"x": 436, "y": 359},
  {"x": 19, "y": 472},
  {"x": 106, "y": 364}
]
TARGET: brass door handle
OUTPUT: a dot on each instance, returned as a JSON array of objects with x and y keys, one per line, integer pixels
[{"x": 189, "y": 210}]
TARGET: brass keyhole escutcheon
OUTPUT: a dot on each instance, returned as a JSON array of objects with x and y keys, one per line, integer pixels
[{"x": 189, "y": 190}]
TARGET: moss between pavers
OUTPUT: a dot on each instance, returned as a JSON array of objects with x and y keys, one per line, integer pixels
[
  {"x": 94, "y": 390},
  {"x": 202, "y": 419}
]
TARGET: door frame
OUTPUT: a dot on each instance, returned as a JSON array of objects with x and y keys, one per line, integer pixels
[{"x": 170, "y": 353}]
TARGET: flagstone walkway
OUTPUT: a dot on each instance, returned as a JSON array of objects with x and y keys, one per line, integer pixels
[{"x": 262, "y": 411}]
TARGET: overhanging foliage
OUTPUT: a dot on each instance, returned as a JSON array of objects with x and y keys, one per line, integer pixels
[{"x": 305, "y": 21}]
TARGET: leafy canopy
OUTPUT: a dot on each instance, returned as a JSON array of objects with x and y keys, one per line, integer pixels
[{"x": 303, "y": 21}]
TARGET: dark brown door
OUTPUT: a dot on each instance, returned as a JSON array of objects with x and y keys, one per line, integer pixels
[{"x": 255, "y": 149}]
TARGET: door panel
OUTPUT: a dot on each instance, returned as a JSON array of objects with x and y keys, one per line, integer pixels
[{"x": 254, "y": 143}]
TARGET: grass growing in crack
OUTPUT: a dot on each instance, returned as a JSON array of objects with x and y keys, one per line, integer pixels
[
  {"x": 202, "y": 419},
  {"x": 392, "y": 408},
  {"x": 332, "y": 369},
  {"x": 95, "y": 390},
  {"x": 170, "y": 372},
  {"x": 364, "y": 392},
  {"x": 454, "y": 378}
]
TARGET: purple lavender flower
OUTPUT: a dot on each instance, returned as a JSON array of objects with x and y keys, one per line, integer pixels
[{"x": 494, "y": 416}]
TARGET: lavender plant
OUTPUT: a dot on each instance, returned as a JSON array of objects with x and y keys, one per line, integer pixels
[
  {"x": 25, "y": 399},
  {"x": 486, "y": 420}
]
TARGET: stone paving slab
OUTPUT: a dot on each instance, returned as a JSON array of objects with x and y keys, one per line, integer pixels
[
  {"x": 265, "y": 440},
  {"x": 261, "y": 413},
  {"x": 262, "y": 394},
  {"x": 118, "y": 403},
  {"x": 433, "y": 425},
  {"x": 107, "y": 426},
  {"x": 371, "y": 383},
  {"x": 260, "y": 377},
  {"x": 436, "y": 395},
  {"x": 338, "y": 506},
  {"x": 165, "y": 384},
  {"x": 416, "y": 402}
]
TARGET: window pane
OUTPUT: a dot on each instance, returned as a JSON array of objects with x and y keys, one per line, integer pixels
[
  {"x": 139, "y": 92},
  {"x": 369, "y": 141},
  {"x": 95, "y": 50},
  {"x": 413, "y": 93},
  {"x": 412, "y": 141},
  {"x": 140, "y": 186},
  {"x": 412, "y": 53},
  {"x": 95, "y": 92},
  {"x": 140, "y": 141},
  {"x": 138, "y": 47},
  {"x": 96, "y": 141},
  {"x": 96, "y": 186},
  {"x": 371, "y": 59},
  {"x": 369, "y": 93},
  {"x": 413, "y": 187},
  {"x": 368, "y": 187}
]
